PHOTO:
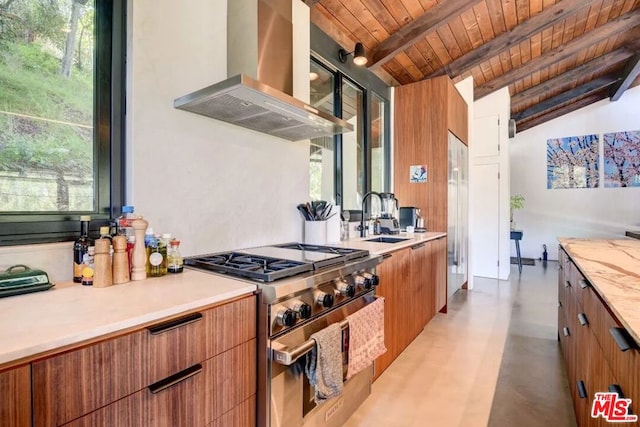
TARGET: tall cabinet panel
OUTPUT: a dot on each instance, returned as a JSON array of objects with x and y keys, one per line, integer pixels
[
  {"x": 458, "y": 214},
  {"x": 425, "y": 113}
]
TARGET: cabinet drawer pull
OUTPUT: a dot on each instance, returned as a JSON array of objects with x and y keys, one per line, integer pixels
[
  {"x": 620, "y": 336},
  {"x": 583, "y": 283},
  {"x": 582, "y": 390},
  {"x": 560, "y": 304},
  {"x": 582, "y": 318},
  {"x": 173, "y": 324},
  {"x": 615, "y": 388},
  {"x": 567, "y": 284},
  {"x": 565, "y": 331},
  {"x": 418, "y": 246},
  {"x": 175, "y": 379},
  {"x": 386, "y": 256}
]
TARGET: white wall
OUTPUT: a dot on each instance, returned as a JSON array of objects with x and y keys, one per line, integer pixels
[
  {"x": 213, "y": 185},
  {"x": 596, "y": 212},
  {"x": 485, "y": 161}
]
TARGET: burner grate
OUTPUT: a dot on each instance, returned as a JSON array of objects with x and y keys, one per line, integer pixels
[
  {"x": 261, "y": 268},
  {"x": 349, "y": 253}
]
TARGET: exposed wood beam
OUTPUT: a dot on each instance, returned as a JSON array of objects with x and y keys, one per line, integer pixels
[
  {"x": 420, "y": 28},
  {"x": 628, "y": 75},
  {"x": 559, "y": 100},
  {"x": 554, "y": 114},
  {"x": 562, "y": 52},
  {"x": 563, "y": 80},
  {"x": 523, "y": 32},
  {"x": 310, "y": 3}
]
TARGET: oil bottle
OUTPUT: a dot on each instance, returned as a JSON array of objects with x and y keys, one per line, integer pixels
[{"x": 81, "y": 249}]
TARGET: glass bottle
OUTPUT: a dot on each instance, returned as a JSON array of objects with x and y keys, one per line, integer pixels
[
  {"x": 105, "y": 234},
  {"x": 131, "y": 241},
  {"x": 124, "y": 221},
  {"x": 175, "y": 263},
  {"x": 88, "y": 271},
  {"x": 157, "y": 258},
  {"x": 81, "y": 248}
]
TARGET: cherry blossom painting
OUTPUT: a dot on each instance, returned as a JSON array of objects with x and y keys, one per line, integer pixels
[
  {"x": 572, "y": 162},
  {"x": 622, "y": 159}
]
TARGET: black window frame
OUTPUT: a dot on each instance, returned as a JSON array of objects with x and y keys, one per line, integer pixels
[
  {"x": 109, "y": 139},
  {"x": 324, "y": 52}
]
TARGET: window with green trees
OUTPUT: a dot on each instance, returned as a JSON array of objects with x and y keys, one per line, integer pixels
[{"x": 61, "y": 102}]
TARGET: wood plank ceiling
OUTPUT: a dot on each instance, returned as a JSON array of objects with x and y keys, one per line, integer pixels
[{"x": 554, "y": 55}]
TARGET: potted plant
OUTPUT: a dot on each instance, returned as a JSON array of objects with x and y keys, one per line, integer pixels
[{"x": 517, "y": 202}]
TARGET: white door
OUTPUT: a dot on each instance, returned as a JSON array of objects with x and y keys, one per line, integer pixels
[
  {"x": 486, "y": 221},
  {"x": 484, "y": 197}
]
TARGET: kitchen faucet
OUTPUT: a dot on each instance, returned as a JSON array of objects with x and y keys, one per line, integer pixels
[{"x": 364, "y": 201}]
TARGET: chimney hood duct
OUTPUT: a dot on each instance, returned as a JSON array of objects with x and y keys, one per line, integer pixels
[{"x": 259, "y": 95}]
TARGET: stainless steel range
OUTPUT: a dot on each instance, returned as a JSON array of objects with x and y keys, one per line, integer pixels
[{"x": 303, "y": 289}]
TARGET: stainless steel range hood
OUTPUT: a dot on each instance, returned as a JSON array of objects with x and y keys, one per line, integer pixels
[{"x": 258, "y": 96}]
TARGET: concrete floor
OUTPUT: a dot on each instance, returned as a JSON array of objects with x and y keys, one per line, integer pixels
[{"x": 493, "y": 360}]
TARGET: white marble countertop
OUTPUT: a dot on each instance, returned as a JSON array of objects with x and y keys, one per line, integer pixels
[
  {"x": 383, "y": 248},
  {"x": 70, "y": 313},
  {"x": 613, "y": 268}
]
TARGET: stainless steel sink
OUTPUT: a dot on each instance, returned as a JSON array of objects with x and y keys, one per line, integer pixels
[{"x": 386, "y": 240}]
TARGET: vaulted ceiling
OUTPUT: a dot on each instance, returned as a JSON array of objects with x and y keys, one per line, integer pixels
[{"x": 554, "y": 55}]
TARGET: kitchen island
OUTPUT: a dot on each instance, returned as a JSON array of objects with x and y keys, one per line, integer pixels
[{"x": 599, "y": 321}]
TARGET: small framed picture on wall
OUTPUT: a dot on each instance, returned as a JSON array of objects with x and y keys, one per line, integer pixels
[{"x": 418, "y": 173}]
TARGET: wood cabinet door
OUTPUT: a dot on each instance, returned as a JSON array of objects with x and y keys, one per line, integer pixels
[
  {"x": 439, "y": 269},
  {"x": 394, "y": 278},
  {"x": 422, "y": 287},
  {"x": 15, "y": 397}
]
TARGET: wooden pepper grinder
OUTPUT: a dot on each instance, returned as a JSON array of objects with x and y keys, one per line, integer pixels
[
  {"x": 120, "y": 260},
  {"x": 102, "y": 261},
  {"x": 139, "y": 254}
]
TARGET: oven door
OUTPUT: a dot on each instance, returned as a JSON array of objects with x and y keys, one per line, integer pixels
[{"x": 292, "y": 402}]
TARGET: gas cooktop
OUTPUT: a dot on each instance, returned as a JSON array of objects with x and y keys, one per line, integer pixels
[{"x": 270, "y": 263}]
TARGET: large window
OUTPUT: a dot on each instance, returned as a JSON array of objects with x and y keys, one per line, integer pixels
[
  {"x": 344, "y": 167},
  {"x": 61, "y": 115}
]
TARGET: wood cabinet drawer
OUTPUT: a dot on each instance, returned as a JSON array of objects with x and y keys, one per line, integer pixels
[
  {"x": 599, "y": 378},
  {"x": 72, "y": 384},
  {"x": 179, "y": 405},
  {"x": 221, "y": 388},
  {"x": 15, "y": 397},
  {"x": 579, "y": 285},
  {"x": 230, "y": 324},
  {"x": 243, "y": 415},
  {"x": 230, "y": 380},
  {"x": 564, "y": 334},
  {"x": 625, "y": 365}
]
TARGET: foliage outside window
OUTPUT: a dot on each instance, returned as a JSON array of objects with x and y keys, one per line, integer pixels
[{"x": 57, "y": 74}]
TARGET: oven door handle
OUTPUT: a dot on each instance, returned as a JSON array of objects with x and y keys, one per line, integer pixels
[{"x": 288, "y": 356}]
